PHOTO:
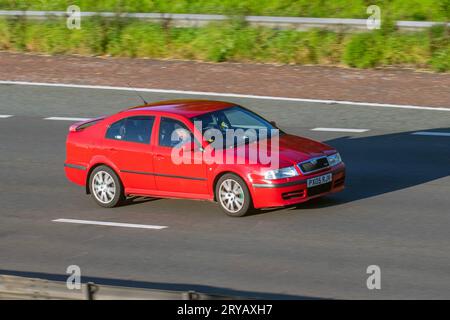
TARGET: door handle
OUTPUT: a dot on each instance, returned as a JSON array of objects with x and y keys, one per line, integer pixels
[
  {"x": 112, "y": 149},
  {"x": 159, "y": 157}
]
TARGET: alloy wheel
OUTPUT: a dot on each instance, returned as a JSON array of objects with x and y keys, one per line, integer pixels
[
  {"x": 231, "y": 195},
  {"x": 103, "y": 187}
]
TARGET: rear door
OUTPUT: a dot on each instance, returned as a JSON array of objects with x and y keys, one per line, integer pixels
[
  {"x": 127, "y": 145},
  {"x": 171, "y": 175}
]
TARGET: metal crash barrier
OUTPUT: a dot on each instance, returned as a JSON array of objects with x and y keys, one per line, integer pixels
[
  {"x": 14, "y": 287},
  {"x": 198, "y": 20}
]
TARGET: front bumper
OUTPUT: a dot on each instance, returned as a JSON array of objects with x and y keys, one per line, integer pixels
[{"x": 295, "y": 191}]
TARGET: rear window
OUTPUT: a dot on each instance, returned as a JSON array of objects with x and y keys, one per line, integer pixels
[
  {"x": 133, "y": 129},
  {"x": 88, "y": 124}
]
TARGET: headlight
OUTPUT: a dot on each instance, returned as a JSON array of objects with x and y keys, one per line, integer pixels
[
  {"x": 281, "y": 173},
  {"x": 334, "y": 159}
]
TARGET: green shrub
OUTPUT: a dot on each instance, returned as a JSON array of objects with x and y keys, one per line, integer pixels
[
  {"x": 364, "y": 50},
  {"x": 408, "y": 49},
  {"x": 5, "y": 35},
  {"x": 214, "y": 43},
  {"x": 229, "y": 41},
  {"x": 139, "y": 40},
  {"x": 47, "y": 37},
  {"x": 440, "y": 61}
]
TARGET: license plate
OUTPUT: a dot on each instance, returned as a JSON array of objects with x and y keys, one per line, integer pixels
[{"x": 319, "y": 180}]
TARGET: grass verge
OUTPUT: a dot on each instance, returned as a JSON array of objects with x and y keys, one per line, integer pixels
[{"x": 230, "y": 41}]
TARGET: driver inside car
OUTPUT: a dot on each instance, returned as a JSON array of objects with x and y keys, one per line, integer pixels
[{"x": 180, "y": 136}]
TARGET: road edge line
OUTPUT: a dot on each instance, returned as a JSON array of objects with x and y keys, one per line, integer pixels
[{"x": 232, "y": 95}]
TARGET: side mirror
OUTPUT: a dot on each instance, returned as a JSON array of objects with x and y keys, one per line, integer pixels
[{"x": 273, "y": 123}]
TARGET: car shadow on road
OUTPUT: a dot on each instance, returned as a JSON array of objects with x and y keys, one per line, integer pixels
[
  {"x": 136, "y": 200},
  {"x": 377, "y": 165},
  {"x": 386, "y": 163}
]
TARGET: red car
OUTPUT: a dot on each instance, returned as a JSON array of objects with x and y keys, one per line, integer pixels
[{"x": 142, "y": 151}]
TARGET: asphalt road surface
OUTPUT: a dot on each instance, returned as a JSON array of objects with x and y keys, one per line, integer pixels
[{"x": 395, "y": 212}]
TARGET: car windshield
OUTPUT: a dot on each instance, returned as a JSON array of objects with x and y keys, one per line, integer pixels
[{"x": 234, "y": 126}]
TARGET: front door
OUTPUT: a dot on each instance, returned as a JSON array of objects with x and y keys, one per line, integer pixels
[{"x": 171, "y": 174}]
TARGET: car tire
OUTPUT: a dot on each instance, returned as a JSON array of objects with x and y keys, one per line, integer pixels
[
  {"x": 233, "y": 195},
  {"x": 105, "y": 187}
]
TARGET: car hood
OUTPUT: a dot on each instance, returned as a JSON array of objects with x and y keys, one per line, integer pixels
[
  {"x": 293, "y": 149},
  {"x": 297, "y": 149}
]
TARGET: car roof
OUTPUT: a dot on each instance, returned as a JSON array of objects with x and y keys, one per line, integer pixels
[{"x": 187, "y": 108}]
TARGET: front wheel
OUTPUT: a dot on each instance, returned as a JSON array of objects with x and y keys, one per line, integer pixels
[
  {"x": 233, "y": 195},
  {"x": 105, "y": 187}
]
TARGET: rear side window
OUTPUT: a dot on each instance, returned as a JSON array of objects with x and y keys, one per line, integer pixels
[{"x": 132, "y": 129}]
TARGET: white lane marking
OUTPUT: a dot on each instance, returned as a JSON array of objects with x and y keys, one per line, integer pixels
[
  {"x": 4, "y": 116},
  {"x": 66, "y": 119},
  {"x": 340, "y": 130},
  {"x": 425, "y": 133},
  {"x": 233, "y": 95},
  {"x": 111, "y": 224}
]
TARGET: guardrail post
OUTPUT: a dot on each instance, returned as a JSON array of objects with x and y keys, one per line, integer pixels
[
  {"x": 190, "y": 295},
  {"x": 91, "y": 290}
]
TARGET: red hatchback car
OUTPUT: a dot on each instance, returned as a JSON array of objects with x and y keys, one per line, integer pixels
[{"x": 167, "y": 150}]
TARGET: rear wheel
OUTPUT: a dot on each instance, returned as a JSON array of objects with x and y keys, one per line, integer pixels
[
  {"x": 105, "y": 186},
  {"x": 233, "y": 195}
]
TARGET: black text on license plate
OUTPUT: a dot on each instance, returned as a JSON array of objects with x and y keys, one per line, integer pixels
[{"x": 319, "y": 180}]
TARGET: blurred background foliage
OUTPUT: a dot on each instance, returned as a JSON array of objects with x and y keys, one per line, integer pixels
[
  {"x": 397, "y": 9},
  {"x": 235, "y": 40}
]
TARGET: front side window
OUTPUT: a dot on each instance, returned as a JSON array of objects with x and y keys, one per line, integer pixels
[
  {"x": 132, "y": 129},
  {"x": 173, "y": 133}
]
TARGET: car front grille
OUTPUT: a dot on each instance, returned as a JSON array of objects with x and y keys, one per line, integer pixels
[{"x": 313, "y": 165}]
